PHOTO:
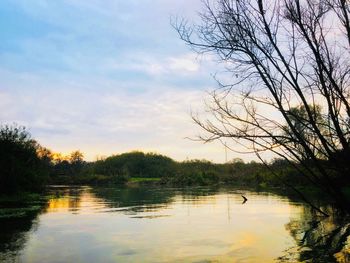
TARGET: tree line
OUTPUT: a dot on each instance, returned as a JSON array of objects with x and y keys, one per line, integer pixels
[{"x": 28, "y": 166}]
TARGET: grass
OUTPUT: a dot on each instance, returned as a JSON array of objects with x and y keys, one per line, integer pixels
[
  {"x": 18, "y": 212},
  {"x": 20, "y": 198},
  {"x": 21, "y": 204},
  {"x": 141, "y": 179}
]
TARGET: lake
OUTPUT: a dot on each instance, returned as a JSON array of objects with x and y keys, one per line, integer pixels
[{"x": 157, "y": 224}]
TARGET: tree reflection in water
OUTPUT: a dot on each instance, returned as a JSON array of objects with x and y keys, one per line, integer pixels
[
  {"x": 319, "y": 239},
  {"x": 17, "y": 222},
  {"x": 65, "y": 198},
  {"x": 14, "y": 234}
]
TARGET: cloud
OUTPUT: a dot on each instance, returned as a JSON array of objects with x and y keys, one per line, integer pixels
[
  {"x": 103, "y": 76},
  {"x": 187, "y": 63},
  {"x": 182, "y": 65},
  {"x": 102, "y": 121}
]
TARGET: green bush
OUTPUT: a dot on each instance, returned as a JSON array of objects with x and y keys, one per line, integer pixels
[
  {"x": 135, "y": 164},
  {"x": 21, "y": 169}
]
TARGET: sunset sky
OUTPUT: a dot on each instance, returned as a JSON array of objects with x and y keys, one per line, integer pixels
[{"x": 104, "y": 77}]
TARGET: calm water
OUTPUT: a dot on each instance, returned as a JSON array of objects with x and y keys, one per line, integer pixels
[{"x": 162, "y": 225}]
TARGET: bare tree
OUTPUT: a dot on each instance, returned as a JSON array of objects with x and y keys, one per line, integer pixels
[{"x": 290, "y": 89}]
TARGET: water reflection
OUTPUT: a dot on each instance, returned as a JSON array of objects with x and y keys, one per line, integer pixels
[
  {"x": 15, "y": 231},
  {"x": 143, "y": 224},
  {"x": 320, "y": 239},
  {"x": 65, "y": 198},
  {"x": 133, "y": 200}
]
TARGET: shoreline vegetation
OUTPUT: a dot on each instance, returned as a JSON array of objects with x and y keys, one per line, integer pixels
[{"x": 27, "y": 167}]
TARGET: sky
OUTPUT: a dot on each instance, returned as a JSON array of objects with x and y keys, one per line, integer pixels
[{"x": 104, "y": 77}]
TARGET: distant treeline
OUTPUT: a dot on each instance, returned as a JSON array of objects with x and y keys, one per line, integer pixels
[
  {"x": 27, "y": 166},
  {"x": 119, "y": 169}
]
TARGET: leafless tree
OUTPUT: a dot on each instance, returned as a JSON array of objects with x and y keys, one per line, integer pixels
[{"x": 289, "y": 61}]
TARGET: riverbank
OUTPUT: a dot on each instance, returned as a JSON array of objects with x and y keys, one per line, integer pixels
[{"x": 21, "y": 198}]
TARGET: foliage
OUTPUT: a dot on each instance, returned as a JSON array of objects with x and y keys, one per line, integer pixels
[
  {"x": 135, "y": 164},
  {"x": 21, "y": 167},
  {"x": 195, "y": 172},
  {"x": 140, "y": 167},
  {"x": 25, "y": 166},
  {"x": 64, "y": 168}
]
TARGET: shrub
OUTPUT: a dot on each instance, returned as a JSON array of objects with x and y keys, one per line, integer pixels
[{"x": 21, "y": 169}]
